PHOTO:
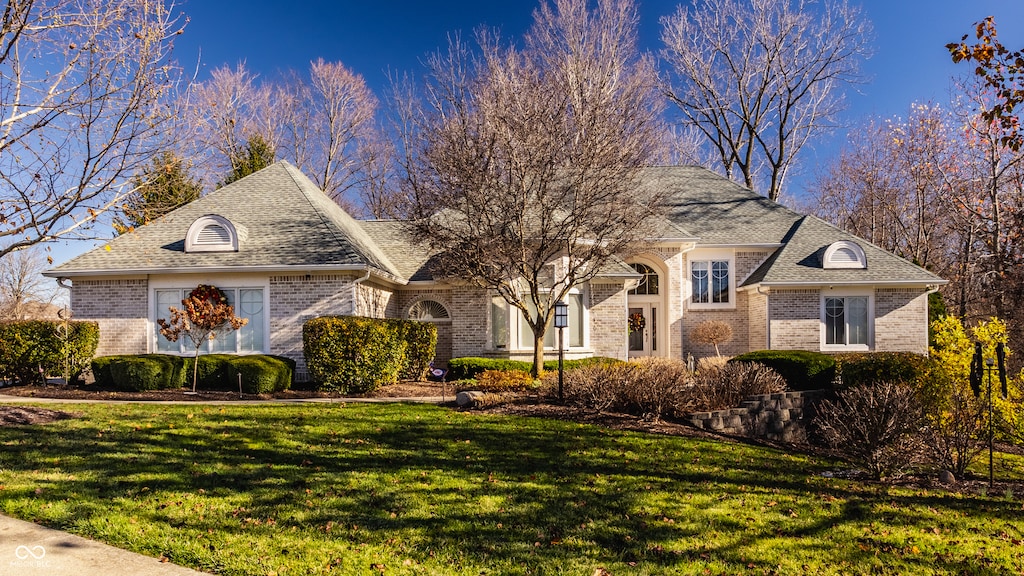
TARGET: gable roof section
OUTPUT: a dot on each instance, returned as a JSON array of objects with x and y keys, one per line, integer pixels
[
  {"x": 289, "y": 224},
  {"x": 799, "y": 261},
  {"x": 718, "y": 211}
]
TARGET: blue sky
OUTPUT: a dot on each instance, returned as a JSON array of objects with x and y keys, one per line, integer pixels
[{"x": 372, "y": 37}]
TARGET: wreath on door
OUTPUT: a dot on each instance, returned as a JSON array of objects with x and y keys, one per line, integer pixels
[{"x": 637, "y": 322}]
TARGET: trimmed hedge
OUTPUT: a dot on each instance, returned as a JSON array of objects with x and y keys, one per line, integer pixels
[
  {"x": 868, "y": 368},
  {"x": 261, "y": 374},
  {"x": 351, "y": 354},
  {"x": 802, "y": 370},
  {"x": 31, "y": 345},
  {"x": 469, "y": 366}
]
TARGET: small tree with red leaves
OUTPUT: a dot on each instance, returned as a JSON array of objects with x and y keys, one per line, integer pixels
[{"x": 206, "y": 313}]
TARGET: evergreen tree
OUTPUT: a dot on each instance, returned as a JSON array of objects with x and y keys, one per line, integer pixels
[
  {"x": 164, "y": 185},
  {"x": 257, "y": 155}
]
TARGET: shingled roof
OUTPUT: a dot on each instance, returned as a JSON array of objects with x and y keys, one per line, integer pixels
[
  {"x": 285, "y": 223},
  {"x": 719, "y": 212}
]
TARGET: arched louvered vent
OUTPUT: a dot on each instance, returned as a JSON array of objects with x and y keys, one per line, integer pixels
[
  {"x": 844, "y": 254},
  {"x": 211, "y": 233},
  {"x": 427, "y": 311}
]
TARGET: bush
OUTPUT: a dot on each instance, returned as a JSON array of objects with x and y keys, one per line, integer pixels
[
  {"x": 655, "y": 388},
  {"x": 802, "y": 370},
  {"x": 718, "y": 388},
  {"x": 469, "y": 366},
  {"x": 26, "y": 347},
  {"x": 261, "y": 374},
  {"x": 504, "y": 381},
  {"x": 856, "y": 369},
  {"x": 595, "y": 386},
  {"x": 420, "y": 344},
  {"x": 875, "y": 425},
  {"x": 354, "y": 355},
  {"x": 145, "y": 372},
  {"x": 713, "y": 332}
]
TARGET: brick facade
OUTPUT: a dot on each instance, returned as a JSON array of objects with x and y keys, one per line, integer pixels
[
  {"x": 120, "y": 307},
  {"x": 295, "y": 299},
  {"x": 794, "y": 320},
  {"x": 901, "y": 320},
  {"x": 608, "y": 327}
]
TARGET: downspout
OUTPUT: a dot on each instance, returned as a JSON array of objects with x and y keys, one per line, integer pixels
[
  {"x": 355, "y": 291},
  {"x": 929, "y": 290},
  {"x": 767, "y": 317}
]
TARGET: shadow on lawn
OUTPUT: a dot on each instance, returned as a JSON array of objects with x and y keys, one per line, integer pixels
[{"x": 486, "y": 489}]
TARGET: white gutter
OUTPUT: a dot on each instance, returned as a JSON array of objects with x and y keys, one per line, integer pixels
[{"x": 296, "y": 269}]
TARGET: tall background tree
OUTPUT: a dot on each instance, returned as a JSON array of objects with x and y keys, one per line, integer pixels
[
  {"x": 324, "y": 123},
  {"x": 759, "y": 79},
  {"x": 164, "y": 185},
  {"x": 526, "y": 177},
  {"x": 81, "y": 91}
]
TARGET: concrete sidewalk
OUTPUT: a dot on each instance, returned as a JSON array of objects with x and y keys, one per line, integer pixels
[
  {"x": 27, "y": 549},
  {"x": 8, "y": 399}
]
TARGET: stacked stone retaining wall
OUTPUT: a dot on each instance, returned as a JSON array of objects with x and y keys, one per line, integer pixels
[{"x": 780, "y": 417}]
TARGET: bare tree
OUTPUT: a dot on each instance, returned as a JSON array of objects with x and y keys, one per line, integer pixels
[
  {"x": 324, "y": 124},
  {"x": 761, "y": 78},
  {"x": 223, "y": 114},
  {"x": 23, "y": 290},
  {"x": 526, "y": 181},
  {"x": 81, "y": 84}
]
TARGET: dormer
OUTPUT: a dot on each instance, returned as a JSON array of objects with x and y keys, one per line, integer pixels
[
  {"x": 211, "y": 233},
  {"x": 844, "y": 254}
]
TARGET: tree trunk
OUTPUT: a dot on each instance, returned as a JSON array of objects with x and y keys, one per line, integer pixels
[{"x": 538, "y": 354}]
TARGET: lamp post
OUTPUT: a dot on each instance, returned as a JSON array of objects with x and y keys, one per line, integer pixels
[
  {"x": 561, "y": 322},
  {"x": 989, "y": 363}
]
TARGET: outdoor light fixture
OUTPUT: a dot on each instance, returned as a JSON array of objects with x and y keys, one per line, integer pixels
[
  {"x": 561, "y": 322},
  {"x": 561, "y": 315}
]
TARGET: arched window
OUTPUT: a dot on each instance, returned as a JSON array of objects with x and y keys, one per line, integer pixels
[
  {"x": 427, "y": 311},
  {"x": 211, "y": 233},
  {"x": 648, "y": 283}
]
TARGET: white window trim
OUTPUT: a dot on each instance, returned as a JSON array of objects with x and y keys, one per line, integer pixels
[
  {"x": 233, "y": 284},
  {"x": 709, "y": 256},
  {"x": 845, "y": 293},
  {"x": 516, "y": 321}
]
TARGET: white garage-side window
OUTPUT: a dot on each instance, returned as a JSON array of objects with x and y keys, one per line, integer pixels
[{"x": 847, "y": 322}]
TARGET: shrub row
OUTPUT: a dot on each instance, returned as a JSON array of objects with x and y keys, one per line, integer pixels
[
  {"x": 33, "y": 349},
  {"x": 260, "y": 374},
  {"x": 664, "y": 388},
  {"x": 470, "y": 367},
  {"x": 805, "y": 370},
  {"x": 353, "y": 355}
]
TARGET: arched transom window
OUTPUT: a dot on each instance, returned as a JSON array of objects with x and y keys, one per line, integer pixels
[
  {"x": 648, "y": 283},
  {"x": 427, "y": 311}
]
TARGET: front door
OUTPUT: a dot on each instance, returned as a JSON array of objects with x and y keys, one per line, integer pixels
[{"x": 643, "y": 330}]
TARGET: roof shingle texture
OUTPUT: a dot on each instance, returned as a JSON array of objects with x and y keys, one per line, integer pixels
[{"x": 282, "y": 219}]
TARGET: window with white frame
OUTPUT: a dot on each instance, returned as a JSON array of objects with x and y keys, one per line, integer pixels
[
  {"x": 507, "y": 320},
  {"x": 247, "y": 302},
  {"x": 710, "y": 281},
  {"x": 846, "y": 321}
]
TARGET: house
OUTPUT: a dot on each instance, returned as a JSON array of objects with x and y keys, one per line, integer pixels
[{"x": 283, "y": 253}]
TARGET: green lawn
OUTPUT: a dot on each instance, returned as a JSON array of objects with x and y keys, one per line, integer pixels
[{"x": 413, "y": 489}]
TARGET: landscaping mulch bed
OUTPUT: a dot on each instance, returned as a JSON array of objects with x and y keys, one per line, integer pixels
[{"x": 24, "y": 415}]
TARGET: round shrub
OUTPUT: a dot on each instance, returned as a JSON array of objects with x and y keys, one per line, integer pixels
[
  {"x": 856, "y": 369},
  {"x": 141, "y": 373},
  {"x": 802, "y": 370}
]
